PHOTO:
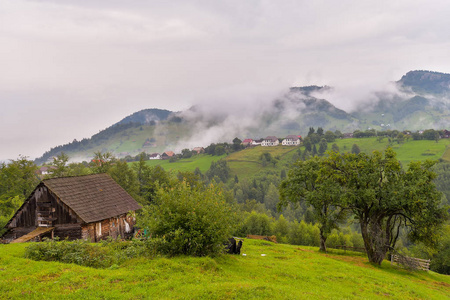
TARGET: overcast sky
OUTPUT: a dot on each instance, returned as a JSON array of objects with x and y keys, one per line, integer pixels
[{"x": 71, "y": 68}]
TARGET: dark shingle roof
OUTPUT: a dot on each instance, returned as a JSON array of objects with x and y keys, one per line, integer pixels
[
  {"x": 92, "y": 197},
  {"x": 271, "y": 138},
  {"x": 293, "y": 137}
]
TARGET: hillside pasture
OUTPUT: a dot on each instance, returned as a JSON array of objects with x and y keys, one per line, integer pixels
[
  {"x": 284, "y": 272},
  {"x": 406, "y": 152},
  {"x": 201, "y": 161},
  {"x": 247, "y": 163},
  {"x": 421, "y": 150},
  {"x": 367, "y": 145}
]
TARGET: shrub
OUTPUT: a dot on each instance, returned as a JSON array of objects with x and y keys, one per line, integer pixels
[
  {"x": 102, "y": 255},
  {"x": 189, "y": 221},
  {"x": 256, "y": 223},
  {"x": 304, "y": 234},
  {"x": 78, "y": 252}
]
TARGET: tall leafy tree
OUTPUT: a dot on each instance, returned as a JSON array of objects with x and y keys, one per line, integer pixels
[
  {"x": 125, "y": 177},
  {"x": 17, "y": 180},
  {"x": 219, "y": 170},
  {"x": 60, "y": 166},
  {"x": 150, "y": 179},
  {"x": 237, "y": 144},
  {"x": 309, "y": 181},
  {"x": 385, "y": 198},
  {"x": 18, "y": 177},
  {"x": 330, "y": 136},
  {"x": 102, "y": 162}
]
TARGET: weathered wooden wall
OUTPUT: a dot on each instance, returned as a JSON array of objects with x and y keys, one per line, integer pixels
[
  {"x": 69, "y": 231},
  {"x": 120, "y": 226},
  {"x": 26, "y": 217},
  {"x": 45, "y": 209}
]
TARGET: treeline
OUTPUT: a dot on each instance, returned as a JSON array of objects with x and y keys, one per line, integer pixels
[{"x": 254, "y": 201}]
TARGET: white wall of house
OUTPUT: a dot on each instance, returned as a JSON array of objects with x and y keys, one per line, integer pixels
[
  {"x": 268, "y": 143},
  {"x": 290, "y": 142}
]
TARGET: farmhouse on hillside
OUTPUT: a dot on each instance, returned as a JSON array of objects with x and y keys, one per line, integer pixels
[
  {"x": 167, "y": 155},
  {"x": 90, "y": 207},
  {"x": 270, "y": 141},
  {"x": 247, "y": 142},
  {"x": 154, "y": 156},
  {"x": 291, "y": 140},
  {"x": 198, "y": 150}
]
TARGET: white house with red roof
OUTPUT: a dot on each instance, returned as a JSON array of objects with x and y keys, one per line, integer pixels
[{"x": 247, "y": 142}]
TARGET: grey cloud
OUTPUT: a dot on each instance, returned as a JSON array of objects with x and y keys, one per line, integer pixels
[{"x": 116, "y": 57}]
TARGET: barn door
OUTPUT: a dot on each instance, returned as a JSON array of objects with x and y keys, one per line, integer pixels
[{"x": 44, "y": 210}]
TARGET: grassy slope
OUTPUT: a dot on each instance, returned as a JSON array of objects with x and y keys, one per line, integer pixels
[
  {"x": 202, "y": 161},
  {"x": 246, "y": 163},
  {"x": 286, "y": 272},
  {"x": 408, "y": 151}
]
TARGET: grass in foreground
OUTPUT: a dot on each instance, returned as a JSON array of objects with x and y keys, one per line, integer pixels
[{"x": 286, "y": 272}]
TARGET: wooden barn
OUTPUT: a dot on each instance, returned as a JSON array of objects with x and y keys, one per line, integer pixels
[{"x": 91, "y": 207}]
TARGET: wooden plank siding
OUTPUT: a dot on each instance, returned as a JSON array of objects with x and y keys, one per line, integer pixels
[
  {"x": 90, "y": 207},
  {"x": 114, "y": 227}
]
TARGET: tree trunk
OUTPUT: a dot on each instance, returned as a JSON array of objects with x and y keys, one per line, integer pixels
[
  {"x": 323, "y": 239},
  {"x": 374, "y": 241}
]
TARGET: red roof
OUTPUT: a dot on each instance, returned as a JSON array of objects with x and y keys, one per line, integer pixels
[{"x": 169, "y": 153}]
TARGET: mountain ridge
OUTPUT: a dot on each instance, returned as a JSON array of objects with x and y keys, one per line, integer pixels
[{"x": 421, "y": 103}]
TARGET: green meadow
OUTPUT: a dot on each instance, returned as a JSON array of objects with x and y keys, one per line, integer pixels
[
  {"x": 268, "y": 271},
  {"x": 202, "y": 161},
  {"x": 246, "y": 163}
]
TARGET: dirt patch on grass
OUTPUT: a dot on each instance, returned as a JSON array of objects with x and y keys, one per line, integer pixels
[
  {"x": 355, "y": 260},
  {"x": 305, "y": 250},
  {"x": 435, "y": 285},
  {"x": 443, "y": 283},
  {"x": 48, "y": 277}
]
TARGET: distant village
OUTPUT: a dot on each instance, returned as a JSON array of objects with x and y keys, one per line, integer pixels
[
  {"x": 290, "y": 140},
  {"x": 271, "y": 141},
  {"x": 296, "y": 140}
]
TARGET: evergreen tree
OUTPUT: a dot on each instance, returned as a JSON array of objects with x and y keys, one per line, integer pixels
[
  {"x": 355, "y": 149},
  {"x": 335, "y": 148},
  {"x": 323, "y": 145},
  {"x": 314, "y": 150},
  {"x": 307, "y": 143}
]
